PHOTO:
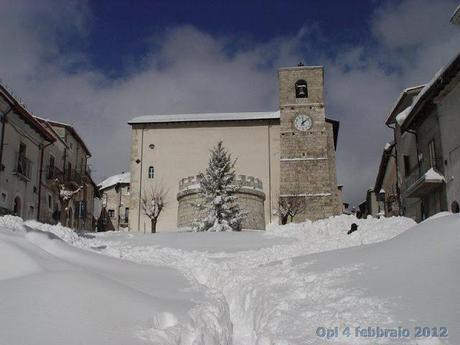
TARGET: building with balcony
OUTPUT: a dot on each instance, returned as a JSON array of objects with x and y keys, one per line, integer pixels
[
  {"x": 426, "y": 123},
  {"x": 22, "y": 143},
  {"x": 115, "y": 194},
  {"x": 66, "y": 163}
]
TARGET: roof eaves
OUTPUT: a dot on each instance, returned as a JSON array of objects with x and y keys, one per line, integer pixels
[
  {"x": 455, "y": 19},
  {"x": 26, "y": 115},
  {"x": 72, "y": 130},
  {"x": 432, "y": 89},
  {"x": 386, "y": 155},
  {"x": 392, "y": 115}
]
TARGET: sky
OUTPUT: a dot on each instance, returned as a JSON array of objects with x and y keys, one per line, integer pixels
[{"x": 97, "y": 64}]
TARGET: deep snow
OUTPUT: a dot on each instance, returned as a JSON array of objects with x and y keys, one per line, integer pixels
[{"x": 275, "y": 287}]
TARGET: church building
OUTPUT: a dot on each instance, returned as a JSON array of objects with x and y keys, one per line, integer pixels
[{"x": 289, "y": 153}]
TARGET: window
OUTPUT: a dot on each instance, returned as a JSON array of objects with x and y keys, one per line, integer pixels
[
  {"x": 111, "y": 213},
  {"x": 406, "y": 165},
  {"x": 126, "y": 214},
  {"x": 22, "y": 150},
  {"x": 69, "y": 170},
  {"x": 51, "y": 173},
  {"x": 23, "y": 164},
  {"x": 17, "y": 206},
  {"x": 301, "y": 90},
  {"x": 432, "y": 150},
  {"x": 50, "y": 202},
  {"x": 151, "y": 172}
]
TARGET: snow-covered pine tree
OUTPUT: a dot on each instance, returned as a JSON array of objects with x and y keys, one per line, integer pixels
[{"x": 217, "y": 190}]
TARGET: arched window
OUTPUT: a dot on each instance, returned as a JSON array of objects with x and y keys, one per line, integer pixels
[
  {"x": 151, "y": 172},
  {"x": 301, "y": 90}
]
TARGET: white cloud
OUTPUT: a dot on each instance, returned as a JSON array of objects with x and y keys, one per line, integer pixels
[{"x": 192, "y": 71}]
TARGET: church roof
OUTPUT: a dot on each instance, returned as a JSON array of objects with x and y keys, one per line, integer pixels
[
  {"x": 206, "y": 117},
  {"x": 203, "y": 117}
]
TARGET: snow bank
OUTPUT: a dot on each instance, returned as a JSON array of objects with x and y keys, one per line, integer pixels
[
  {"x": 331, "y": 232},
  {"x": 241, "y": 288},
  {"x": 12, "y": 222},
  {"x": 255, "y": 273},
  {"x": 53, "y": 293},
  {"x": 64, "y": 233}
]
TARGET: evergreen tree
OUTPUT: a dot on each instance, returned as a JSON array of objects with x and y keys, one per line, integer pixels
[{"x": 217, "y": 189}]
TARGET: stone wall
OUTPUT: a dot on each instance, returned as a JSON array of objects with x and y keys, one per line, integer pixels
[
  {"x": 307, "y": 158},
  {"x": 250, "y": 198}
]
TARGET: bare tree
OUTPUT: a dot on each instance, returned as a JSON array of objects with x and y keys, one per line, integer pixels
[
  {"x": 153, "y": 202},
  {"x": 65, "y": 196},
  {"x": 290, "y": 206}
]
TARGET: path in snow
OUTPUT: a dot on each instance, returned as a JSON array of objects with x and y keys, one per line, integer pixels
[{"x": 270, "y": 299}]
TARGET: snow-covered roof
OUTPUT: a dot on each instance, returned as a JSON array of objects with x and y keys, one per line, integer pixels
[
  {"x": 114, "y": 180},
  {"x": 432, "y": 176},
  {"x": 405, "y": 93},
  {"x": 206, "y": 117},
  {"x": 455, "y": 19},
  {"x": 402, "y": 116},
  {"x": 429, "y": 91}
]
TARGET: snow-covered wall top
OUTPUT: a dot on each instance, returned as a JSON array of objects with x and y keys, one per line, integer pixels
[
  {"x": 114, "y": 180},
  {"x": 206, "y": 117},
  {"x": 193, "y": 182}
]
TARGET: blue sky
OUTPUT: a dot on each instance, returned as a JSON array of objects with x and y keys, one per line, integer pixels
[
  {"x": 130, "y": 24},
  {"x": 97, "y": 64}
]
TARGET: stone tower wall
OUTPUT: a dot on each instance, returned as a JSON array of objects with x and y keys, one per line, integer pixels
[
  {"x": 250, "y": 198},
  {"x": 307, "y": 158}
]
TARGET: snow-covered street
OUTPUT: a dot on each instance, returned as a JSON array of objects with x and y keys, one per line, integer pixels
[{"x": 243, "y": 288}]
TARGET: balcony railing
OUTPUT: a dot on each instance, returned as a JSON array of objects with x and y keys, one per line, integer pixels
[
  {"x": 23, "y": 166},
  {"x": 73, "y": 176},
  {"x": 413, "y": 180},
  {"x": 53, "y": 173}
]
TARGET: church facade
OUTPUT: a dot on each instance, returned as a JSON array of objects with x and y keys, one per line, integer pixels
[{"x": 288, "y": 153}]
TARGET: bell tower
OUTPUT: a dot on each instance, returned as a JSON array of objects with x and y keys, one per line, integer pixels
[{"x": 307, "y": 154}]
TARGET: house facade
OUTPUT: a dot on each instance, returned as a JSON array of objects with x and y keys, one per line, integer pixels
[
  {"x": 426, "y": 123},
  {"x": 67, "y": 165},
  {"x": 38, "y": 157},
  {"x": 115, "y": 195},
  {"x": 22, "y": 141},
  {"x": 280, "y": 154}
]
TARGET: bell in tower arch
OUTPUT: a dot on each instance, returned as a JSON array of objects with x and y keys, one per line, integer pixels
[{"x": 301, "y": 90}]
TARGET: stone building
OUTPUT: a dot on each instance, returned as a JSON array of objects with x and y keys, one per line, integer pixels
[
  {"x": 34, "y": 154},
  {"x": 66, "y": 162},
  {"x": 21, "y": 148},
  {"x": 250, "y": 197},
  {"x": 426, "y": 124},
  {"x": 115, "y": 194},
  {"x": 291, "y": 151}
]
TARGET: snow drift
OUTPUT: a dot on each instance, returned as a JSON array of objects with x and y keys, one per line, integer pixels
[{"x": 245, "y": 288}]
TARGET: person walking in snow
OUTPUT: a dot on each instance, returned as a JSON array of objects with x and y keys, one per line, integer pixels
[{"x": 354, "y": 227}]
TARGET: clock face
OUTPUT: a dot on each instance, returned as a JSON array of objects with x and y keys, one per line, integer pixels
[{"x": 303, "y": 122}]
